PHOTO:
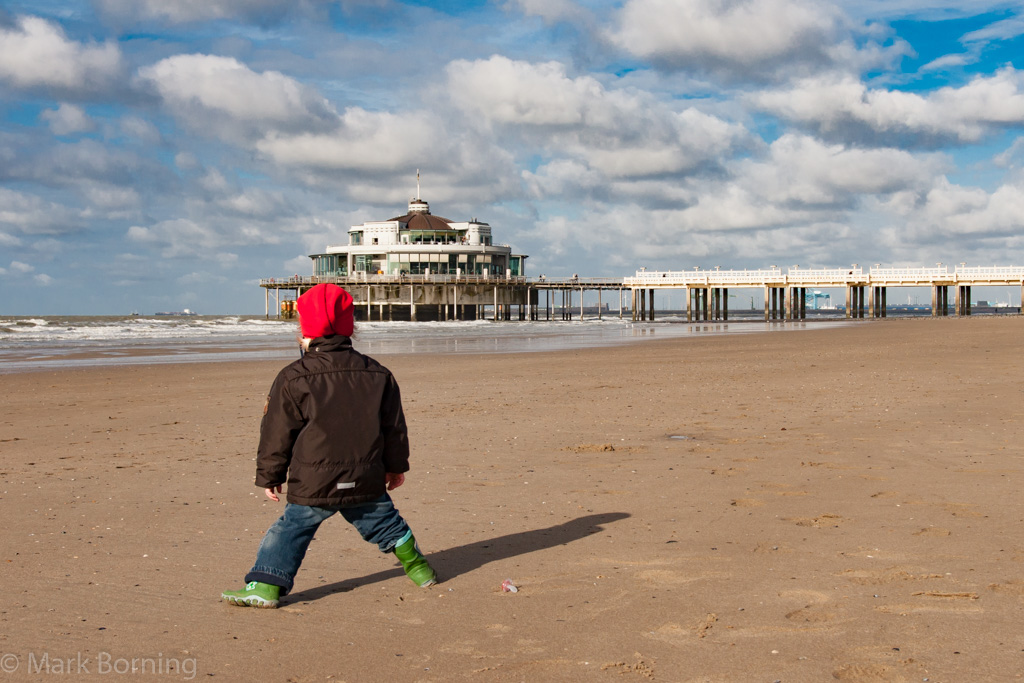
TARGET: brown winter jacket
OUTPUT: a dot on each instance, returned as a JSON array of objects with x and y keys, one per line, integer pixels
[{"x": 333, "y": 425}]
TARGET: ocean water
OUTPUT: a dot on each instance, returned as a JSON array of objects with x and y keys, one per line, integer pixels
[{"x": 50, "y": 342}]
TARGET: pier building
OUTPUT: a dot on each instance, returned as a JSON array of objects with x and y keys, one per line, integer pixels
[
  {"x": 417, "y": 267},
  {"x": 420, "y": 243}
]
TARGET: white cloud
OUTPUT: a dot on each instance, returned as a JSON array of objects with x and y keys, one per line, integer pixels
[
  {"x": 48, "y": 246},
  {"x": 67, "y": 119},
  {"x": 844, "y": 105},
  {"x": 23, "y": 268},
  {"x": 803, "y": 170},
  {"x": 253, "y": 202},
  {"x": 922, "y": 10},
  {"x": 300, "y": 265},
  {"x": 109, "y": 196},
  {"x": 802, "y": 182},
  {"x": 188, "y": 11},
  {"x": 551, "y": 11},
  {"x": 619, "y": 133},
  {"x": 201, "y": 277},
  {"x": 140, "y": 129},
  {"x": 800, "y": 199},
  {"x": 362, "y": 140},
  {"x": 952, "y": 212},
  {"x": 740, "y": 36},
  {"x": 37, "y": 54},
  {"x": 186, "y": 161},
  {"x": 952, "y": 61},
  {"x": 507, "y": 91},
  {"x": 184, "y": 11},
  {"x": 106, "y": 176},
  {"x": 1005, "y": 159},
  {"x": 31, "y": 215},
  {"x": 211, "y": 239},
  {"x": 207, "y": 90},
  {"x": 1006, "y": 29},
  {"x": 42, "y": 279},
  {"x": 178, "y": 238},
  {"x": 214, "y": 182}
]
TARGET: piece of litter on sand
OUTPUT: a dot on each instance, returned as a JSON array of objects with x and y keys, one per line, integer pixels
[{"x": 508, "y": 587}]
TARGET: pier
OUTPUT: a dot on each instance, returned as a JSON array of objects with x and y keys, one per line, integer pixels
[
  {"x": 706, "y": 292},
  {"x": 785, "y": 293}
]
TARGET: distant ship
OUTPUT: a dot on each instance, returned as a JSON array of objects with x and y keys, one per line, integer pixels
[{"x": 184, "y": 311}]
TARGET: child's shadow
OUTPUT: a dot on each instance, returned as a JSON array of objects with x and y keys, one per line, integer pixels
[{"x": 465, "y": 558}]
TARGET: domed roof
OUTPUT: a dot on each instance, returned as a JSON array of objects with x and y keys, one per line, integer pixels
[{"x": 420, "y": 218}]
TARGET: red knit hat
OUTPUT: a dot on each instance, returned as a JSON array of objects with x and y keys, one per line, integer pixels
[{"x": 325, "y": 310}]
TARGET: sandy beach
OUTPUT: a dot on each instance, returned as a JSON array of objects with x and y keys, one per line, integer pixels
[{"x": 826, "y": 504}]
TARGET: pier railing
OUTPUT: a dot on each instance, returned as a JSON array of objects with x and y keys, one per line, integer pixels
[
  {"x": 704, "y": 277},
  {"x": 541, "y": 282},
  {"x": 997, "y": 275}
]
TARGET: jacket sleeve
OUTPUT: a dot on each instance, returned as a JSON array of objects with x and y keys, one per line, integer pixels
[
  {"x": 392, "y": 428},
  {"x": 279, "y": 429}
]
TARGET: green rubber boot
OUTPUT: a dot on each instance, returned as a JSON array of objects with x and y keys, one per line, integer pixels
[
  {"x": 255, "y": 594},
  {"x": 416, "y": 567}
]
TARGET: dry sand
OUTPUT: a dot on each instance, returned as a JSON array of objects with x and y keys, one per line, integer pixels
[{"x": 846, "y": 505}]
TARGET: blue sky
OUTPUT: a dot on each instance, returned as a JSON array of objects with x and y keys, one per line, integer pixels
[{"x": 162, "y": 154}]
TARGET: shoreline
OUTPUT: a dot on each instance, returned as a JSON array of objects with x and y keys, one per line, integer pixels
[{"x": 387, "y": 339}]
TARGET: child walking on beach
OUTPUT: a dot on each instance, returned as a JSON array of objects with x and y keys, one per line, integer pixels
[{"x": 333, "y": 429}]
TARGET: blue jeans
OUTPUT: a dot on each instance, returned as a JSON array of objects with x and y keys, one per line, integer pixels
[{"x": 285, "y": 543}]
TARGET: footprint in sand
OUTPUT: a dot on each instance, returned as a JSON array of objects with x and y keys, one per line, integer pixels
[
  {"x": 818, "y": 607},
  {"x": 961, "y": 509},
  {"x": 935, "y": 601},
  {"x": 871, "y": 664},
  {"x": 958, "y": 602},
  {"x": 812, "y": 614},
  {"x": 674, "y": 633},
  {"x": 864, "y": 672},
  {"x": 872, "y": 577},
  {"x": 663, "y": 577},
  {"x": 1013, "y": 587},
  {"x": 782, "y": 489},
  {"x": 640, "y": 666},
  {"x": 826, "y": 520}
]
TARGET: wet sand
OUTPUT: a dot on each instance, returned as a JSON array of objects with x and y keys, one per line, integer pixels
[{"x": 845, "y": 505}]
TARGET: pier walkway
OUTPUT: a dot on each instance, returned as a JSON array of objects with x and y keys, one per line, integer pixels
[
  {"x": 450, "y": 297},
  {"x": 462, "y": 297}
]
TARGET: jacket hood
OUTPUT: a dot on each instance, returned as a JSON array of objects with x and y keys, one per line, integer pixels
[{"x": 326, "y": 310}]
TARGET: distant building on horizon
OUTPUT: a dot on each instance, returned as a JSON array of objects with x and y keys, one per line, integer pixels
[{"x": 419, "y": 243}]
